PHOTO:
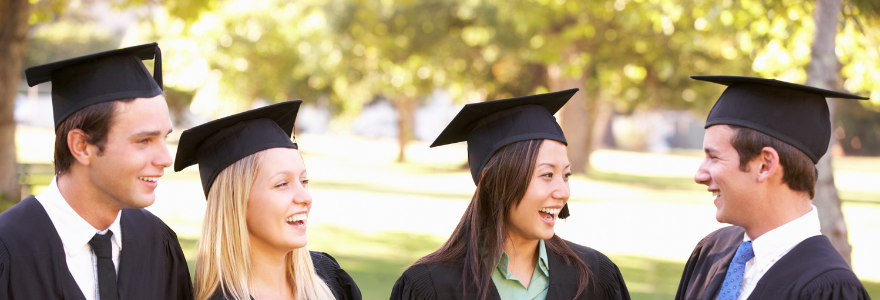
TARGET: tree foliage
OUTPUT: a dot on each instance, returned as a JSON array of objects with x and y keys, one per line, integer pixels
[
  {"x": 639, "y": 52},
  {"x": 635, "y": 54}
]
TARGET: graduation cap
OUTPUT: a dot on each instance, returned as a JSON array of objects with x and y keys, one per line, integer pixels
[
  {"x": 488, "y": 126},
  {"x": 99, "y": 77},
  {"x": 793, "y": 113},
  {"x": 220, "y": 143}
]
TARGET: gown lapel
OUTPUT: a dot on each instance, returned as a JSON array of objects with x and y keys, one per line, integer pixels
[
  {"x": 718, "y": 272},
  {"x": 68, "y": 284},
  {"x": 58, "y": 257},
  {"x": 129, "y": 264},
  {"x": 563, "y": 280}
]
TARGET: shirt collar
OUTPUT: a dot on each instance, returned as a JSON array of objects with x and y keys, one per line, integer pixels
[
  {"x": 775, "y": 243},
  {"x": 74, "y": 231},
  {"x": 542, "y": 259},
  {"x": 542, "y": 262}
]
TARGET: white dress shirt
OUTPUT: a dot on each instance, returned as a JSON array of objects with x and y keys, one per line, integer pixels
[
  {"x": 773, "y": 245},
  {"x": 75, "y": 235}
]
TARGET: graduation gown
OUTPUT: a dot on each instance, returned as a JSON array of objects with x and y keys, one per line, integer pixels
[
  {"x": 443, "y": 281},
  {"x": 340, "y": 283},
  {"x": 33, "y": 264},
  {"x": 811, "y": 270}
]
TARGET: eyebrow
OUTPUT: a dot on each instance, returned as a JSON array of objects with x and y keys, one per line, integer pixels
[
  {"x": 150, "y": 133},
  {"x": 289, "y": 173},
  {"x": 551, "y": 165},
  {"x": 710, "y": 150}
]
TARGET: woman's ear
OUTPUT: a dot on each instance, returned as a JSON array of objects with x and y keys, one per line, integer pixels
[
  {"x": 768, "y": 164},
  {"x": 80, "y": 148}
]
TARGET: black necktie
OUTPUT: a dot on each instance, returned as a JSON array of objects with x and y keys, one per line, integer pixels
[{"x": 106, "y": 271}]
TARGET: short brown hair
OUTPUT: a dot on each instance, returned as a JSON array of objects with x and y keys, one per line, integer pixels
[
  {"x": 94, "y": 120},
  {"x": 798, "y": 170}
]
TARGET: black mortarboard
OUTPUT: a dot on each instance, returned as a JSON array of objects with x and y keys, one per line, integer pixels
[
  {"x": 488, "y": 126},
  {"x": 220, "y": 143},
  {"x": 99, "y": 77},
  {"x": 793, "y": 113}
]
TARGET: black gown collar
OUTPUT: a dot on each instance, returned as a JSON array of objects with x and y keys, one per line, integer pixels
[{"x": 43, "y": 224}]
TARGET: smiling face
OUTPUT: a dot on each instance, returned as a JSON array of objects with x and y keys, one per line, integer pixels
[
  {"x": 279, "y": 202},
  {"x": 536, "y": 214},
  {"x": 134, "y": 155},
  {"x": 732, "y": 187}
]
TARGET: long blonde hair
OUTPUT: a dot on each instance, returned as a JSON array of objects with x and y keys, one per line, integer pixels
[{"x": 224, "y": 258}]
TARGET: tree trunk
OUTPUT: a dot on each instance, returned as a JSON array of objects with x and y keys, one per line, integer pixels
[
  {"x": 583, "y": 119},
  {"x": 13, "y": 37},
  {"x": 601, "y": 125},
  {"x": 574, "y": 118},
  {"x": 822, "y": 73},
  {"x": 599, "y": 114},
  {"x": 406, "y": 120}
]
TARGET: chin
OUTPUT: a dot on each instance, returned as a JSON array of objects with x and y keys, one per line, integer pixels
[
  {"x": 140, "y": 201},
  {"x": 298, "y": 243},
  {"x": 721, "y": 217},
  {"x": 546, "y": 235},
  {"x": 144, "y": 201},
  {"x": 293, "y": 247}
]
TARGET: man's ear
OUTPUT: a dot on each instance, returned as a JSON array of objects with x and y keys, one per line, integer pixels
[
  {"x": 82, "y": 151},
  {"x": 768, "y": 164}
]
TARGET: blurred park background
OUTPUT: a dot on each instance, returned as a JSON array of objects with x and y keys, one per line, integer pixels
[{"x": 381, "y": 78}]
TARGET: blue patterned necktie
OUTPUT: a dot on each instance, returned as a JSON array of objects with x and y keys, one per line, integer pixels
[{"x": 734, "y": 278}]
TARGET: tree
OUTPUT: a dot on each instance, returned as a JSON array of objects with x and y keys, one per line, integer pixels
[
  {"x": 13, "y": 37},
  {"x": 402, "y": 50},
  {"x": 344, "y": 52},
  {"x": 822, "y": 73},
  {"x": 246, "y": 53}
]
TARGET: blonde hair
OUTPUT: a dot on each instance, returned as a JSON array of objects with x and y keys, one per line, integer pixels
[{"x": 224, "y": 257}]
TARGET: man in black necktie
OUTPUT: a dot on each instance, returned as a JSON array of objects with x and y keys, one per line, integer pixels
[
  {"x": 761, "y": 145},
  {"x": 87, "y": 235}
]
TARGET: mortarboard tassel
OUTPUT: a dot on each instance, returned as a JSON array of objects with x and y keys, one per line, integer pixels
[
  {"x": 157, "y": 68},
  {"x": 564, "y": 212}
]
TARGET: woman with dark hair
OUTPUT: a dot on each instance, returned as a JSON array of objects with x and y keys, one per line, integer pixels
[{"x": 504, "y": 247}]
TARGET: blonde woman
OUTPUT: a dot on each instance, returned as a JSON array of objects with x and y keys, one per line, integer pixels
[{"x": 253, "y": 242}]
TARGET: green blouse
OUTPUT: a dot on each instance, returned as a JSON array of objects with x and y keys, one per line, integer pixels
[{"x": 511, "y": 288}]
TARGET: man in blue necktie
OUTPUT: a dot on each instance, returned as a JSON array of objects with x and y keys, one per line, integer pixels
[{"x": 763, "y": 139}]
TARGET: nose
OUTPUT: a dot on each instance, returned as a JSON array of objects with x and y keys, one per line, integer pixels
[
  {"x": 702, "y": 176},
  {"x": 302, "y": 196},
  {"x": 164, "y": 159},
  {"x": 562, "y": 191}
]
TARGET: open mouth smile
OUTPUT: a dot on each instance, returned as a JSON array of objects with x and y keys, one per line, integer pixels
[
  {"x": 149, "y": 179},
  {"x": 549, "y": 215},
  {"x": 298, "y": 219}
]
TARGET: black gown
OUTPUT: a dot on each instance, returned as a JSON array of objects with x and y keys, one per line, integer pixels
[
  {"x": 33, "y": 263},
  {"x": 811, "y": 270},
  {"x": 442, "y": 282},
  {"x": 342, "y": 285}
]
